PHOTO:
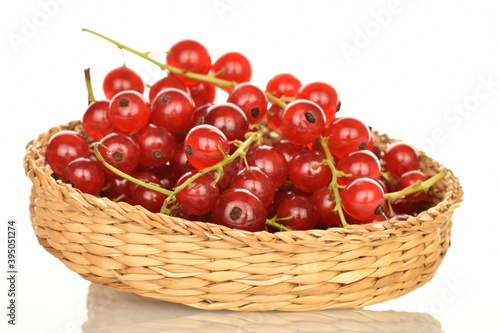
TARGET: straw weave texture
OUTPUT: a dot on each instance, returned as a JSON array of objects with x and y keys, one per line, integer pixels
[{"x": 208, "y": 266}]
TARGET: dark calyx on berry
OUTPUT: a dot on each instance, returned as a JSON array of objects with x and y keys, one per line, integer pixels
[
  {"x": 236, "y": 213},
  {"x": 124, "y": 102},
  {"x": 255, "y": 112},
  {"x": 117, "y": 156},
  {"x": 310, "y": 117},
  {"x": 188, "y": 150}
]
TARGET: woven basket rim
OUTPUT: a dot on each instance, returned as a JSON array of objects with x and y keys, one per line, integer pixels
[{"x": 35, "y": 166}]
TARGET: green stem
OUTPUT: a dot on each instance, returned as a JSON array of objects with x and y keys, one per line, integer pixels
[
  {"x": 275, "y": 100},
  {"x": 274, "y": 223},
  {"x": 88, "y": 83},
  {"x": 239, "y": 152},
  {"x": 419, "y": 186},
  {"x": 172, "y": 69},
  {"x": 334, "y": 185},
  {"x": 125, "y": 175}
]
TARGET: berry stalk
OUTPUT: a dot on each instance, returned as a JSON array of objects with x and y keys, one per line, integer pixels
[
  {"x": 241, "y": 151},
  {"x": 88, "y": 84},
  {"x": 419, "y": 186},
  {"x": 145, "y": 55},
  {"x": 125, "y": 175},
  {"x": 334, "y": 185}
]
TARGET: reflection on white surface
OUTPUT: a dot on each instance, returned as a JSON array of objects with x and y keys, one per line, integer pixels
[{"x": 114, "y": 311}]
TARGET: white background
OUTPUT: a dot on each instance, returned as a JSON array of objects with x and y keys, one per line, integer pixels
[{"x": 426, "y": 72}]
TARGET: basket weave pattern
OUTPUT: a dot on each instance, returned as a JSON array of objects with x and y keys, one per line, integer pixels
[{"x": 209, "y": 266}]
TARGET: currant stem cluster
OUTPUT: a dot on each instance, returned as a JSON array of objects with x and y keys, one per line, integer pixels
[{"x": 242, "y": 149}]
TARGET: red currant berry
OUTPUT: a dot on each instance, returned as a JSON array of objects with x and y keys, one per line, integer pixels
[
  {"x": 169, "y": 81},
  {"x": 202, "y": 93},
  {"x": 358, "y": 164},
  {"x": 84, "y": 174},
  {"x": 239, "y": 209},
  {"x": 157, "y": 145},
  {"x": 410, "y": 178},
  {"x": 363, "y": 199},
  {"x": 130, "y": 187},
  {"x": 324, "y": 201},
  {"x": 199, "y": 197},
  {"x": 407, "y": 207},
  {"x": 114, "y": 186},
  {"x": 229, "y": 118},
  {"x": 273, "y": 116},
  {"x": 297, "y": 213},
  {"x": 167, "y": 175},
  {"x": 150, "y": 199},
  {"x": 172, "y": 109},
  {"x": 128, "y": 111},
  {"x": 302, "y": 122},
  {"x": 322, "y": 94},
  {"x": 256, "y": 181},
  {"x": 95, "y": 120},
  {"x": 232, "y": 66},
  {"x": 251, "y": 99},
  {"x": 283, "y": 85},
  {"x": 205, "y": 145},
  {"x": 271, "y": 161},
  {"x": 399, "y": 158},
  {"x": 121, "y": 79},
  {"x": 289, "y": 149},
  {"x": 64, "y": 147},
  {"x": 191, "y": 56},
  {"x": 307, "y": 171},
  {"x": 121, "y": 151},
  {"x": 346, "y": 134},
  {"x": 179, "y": 161}
]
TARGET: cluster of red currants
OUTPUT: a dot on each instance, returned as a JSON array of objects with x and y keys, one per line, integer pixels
[{"x": 277, "y": 158}]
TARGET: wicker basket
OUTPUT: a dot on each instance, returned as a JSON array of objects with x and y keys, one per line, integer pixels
[{"x": 208, "y": 266}]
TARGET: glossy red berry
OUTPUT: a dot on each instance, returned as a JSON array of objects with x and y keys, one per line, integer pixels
[
  {"x": 84, "y": 174},
  {"x": 234, "y": 67},
  {"x": 229, "y": 118},
  {"x": 410, "y": 178},
  {"x": 128, "y": 111},
  {"x": 347, "y": 134},
  {"x": 399, "y": 158},
  {"x": 199, "y": 197},
  {"x": 95, "y": 120},
  {"x": 307, "y": 171},
  {"x": 121, "y": 79},
  {"x": 205, "y": 145},
  {"x": 363, "y": 199},
  {"x": 169, "y": 81},
  {"x": 358, "y": 164},
  {"x": 239, "y": 209},
  {"x": 297, "y": 213},
  {"x": 157, "y": 145},
  {"x": 150, "y": 199},
  {"x": 121, "y": 151},
  {"x": 251, "y": 99},
  {"x": 302, "y": 122},
  {"x": 202, "y": 93},
  {"x": 189, "y": 55},
  {"x": 324, "y": 201},
  {"x": 322, "y": 94},
  {"x": 172, "y": 109},
  {"x": 283, "y": 85},
  {"x": 271, "y": 161},
  {"x": 64, "y": 147},
  {"x": 256, "y": 181}
]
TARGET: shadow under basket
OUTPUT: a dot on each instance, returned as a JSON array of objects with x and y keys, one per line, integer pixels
[{"x": 208, "y": 266}]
